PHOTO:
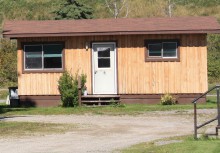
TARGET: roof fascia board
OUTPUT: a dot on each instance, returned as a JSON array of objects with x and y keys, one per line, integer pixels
[{"x": 217, "y": 31}]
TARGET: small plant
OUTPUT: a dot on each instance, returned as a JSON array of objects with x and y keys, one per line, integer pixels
[
  {"x": 68, "y": 87},
  {"x": 167, "y": 99},
  {"x": 113, "y": 103}
]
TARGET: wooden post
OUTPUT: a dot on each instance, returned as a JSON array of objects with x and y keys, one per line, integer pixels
[{"x": 79, "y": 91}]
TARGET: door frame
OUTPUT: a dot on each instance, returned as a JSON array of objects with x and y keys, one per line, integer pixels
[{"x": 116, "y": 64}]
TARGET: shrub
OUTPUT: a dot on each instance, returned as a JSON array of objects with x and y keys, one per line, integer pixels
[
  {"x": 167, "y": 99},
  {"x": 8, "y": 63},
  {"x": 213, "y": 58},
  {"x": 68, "y": 87},
  {"x": 83, "y": 82}
]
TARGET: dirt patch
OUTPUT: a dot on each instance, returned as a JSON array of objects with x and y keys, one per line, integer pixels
[
  {"x": 100, "y": 133},
  {"x": 30, "y": 129}
]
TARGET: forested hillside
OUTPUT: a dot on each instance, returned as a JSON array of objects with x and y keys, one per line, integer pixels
[
  {"x": 42, "y": 9},
  {"x": 45, "y": 10}
]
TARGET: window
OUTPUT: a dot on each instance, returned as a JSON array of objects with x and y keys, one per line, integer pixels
[
  {"x": 104, "y": 57},
  {"x": 162, "y": 50},
  {"x": 43, "y": 57}
]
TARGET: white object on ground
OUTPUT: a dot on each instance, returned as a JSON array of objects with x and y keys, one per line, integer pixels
[{"x": 7, "y": 100}]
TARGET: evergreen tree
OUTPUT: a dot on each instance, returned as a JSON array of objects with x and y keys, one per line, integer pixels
[{"x": 73, "y": 9}]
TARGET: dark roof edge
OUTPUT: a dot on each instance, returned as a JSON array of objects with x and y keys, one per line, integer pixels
[{"x": 208, "y": 31}]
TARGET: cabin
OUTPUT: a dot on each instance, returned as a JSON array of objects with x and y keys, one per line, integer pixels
[{"x": 134, "y": 59}]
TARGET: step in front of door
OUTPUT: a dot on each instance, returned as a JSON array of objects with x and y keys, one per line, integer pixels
[{"x": 100, "y": 99}]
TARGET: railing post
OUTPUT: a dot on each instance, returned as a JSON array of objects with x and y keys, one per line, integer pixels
[
  {"x": 218, "y": 105},
  {"x": 195, "y": 121},
  {"x": 217, "y": 87},
  {"x": 79, "y": 91}
]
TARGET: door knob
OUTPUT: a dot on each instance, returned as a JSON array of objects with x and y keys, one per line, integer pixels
[{"x": 95, "y": 72}]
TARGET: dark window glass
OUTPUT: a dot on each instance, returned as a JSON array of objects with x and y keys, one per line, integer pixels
[
  {"x": 169, "y": 49},
  {"x": 155, "y": 49},
  {"x": 33, "y": 48},
  {"x": 52, "y": 56},
  {"x": 104, "y": 63},
  {"x": 55, "y": 62},
  {"x": 33, "y": 57},
  {"x": 103, "y": 52}
]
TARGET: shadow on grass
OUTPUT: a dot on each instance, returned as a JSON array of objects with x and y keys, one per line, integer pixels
[
  {"x": 17, "y": 105},
  {"x": 5, "y": 109},
  {"x": 8, "y": 117},
  {"x": 211, "y": 101}
]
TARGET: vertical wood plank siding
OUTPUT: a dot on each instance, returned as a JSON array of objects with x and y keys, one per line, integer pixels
[{"x": 135, "y": 76}]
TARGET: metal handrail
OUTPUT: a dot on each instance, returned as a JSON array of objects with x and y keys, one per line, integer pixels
[
  {"x": 210, "y": 121},
  {"x": 217, "y": 86},
  {"x": 195, "y": 111}
]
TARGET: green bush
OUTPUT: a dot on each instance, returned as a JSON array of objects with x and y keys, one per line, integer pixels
[
  {"x": 8, "y": 63},
  {"x": 213, "y": 58},
  {"x": 68, "y": 87},
  {"x": 167, "y": 99}
]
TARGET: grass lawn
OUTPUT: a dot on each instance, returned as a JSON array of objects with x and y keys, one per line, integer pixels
[
  {"x": 179, "y": 145},
  {"x": 131, "y": 109},
  {"x": 18, "y": 129},
  {"x": 211, "y": 86},
  {"x": 211, "y": 99}
]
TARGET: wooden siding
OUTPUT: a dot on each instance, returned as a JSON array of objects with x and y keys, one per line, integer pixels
[{"x": 135, "y": 76}]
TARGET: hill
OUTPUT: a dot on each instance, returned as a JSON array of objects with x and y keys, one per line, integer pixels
[{"x": 42, "y": 9}]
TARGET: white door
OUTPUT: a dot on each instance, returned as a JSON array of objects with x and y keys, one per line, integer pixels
[{"x": 104, "y": 68}]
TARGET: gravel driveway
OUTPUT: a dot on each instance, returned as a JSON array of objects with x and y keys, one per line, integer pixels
[{"x": 102, "y": 134}]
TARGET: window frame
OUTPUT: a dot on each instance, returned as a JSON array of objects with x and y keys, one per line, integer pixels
[
  {"x": 43, "y": 70},
  {"x": 161, "y": 58}
]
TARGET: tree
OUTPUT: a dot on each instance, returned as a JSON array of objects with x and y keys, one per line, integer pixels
[
  {"x": 8, "y": 63},
  {"x": 171, "y": 6},
  {"x": 73, "y": 9},
  {"x": 117, "y": 7},
  {"x": 214, "y": 58}
]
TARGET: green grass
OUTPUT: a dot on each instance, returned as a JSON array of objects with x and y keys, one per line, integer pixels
[
  {"x": 20, "y": 129},
  {"x": 211, "y": 99},
  {"x": 132, "y": 109},
  {"x": 187, "y": 145},
  {"x": 211, "y": 85}
]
